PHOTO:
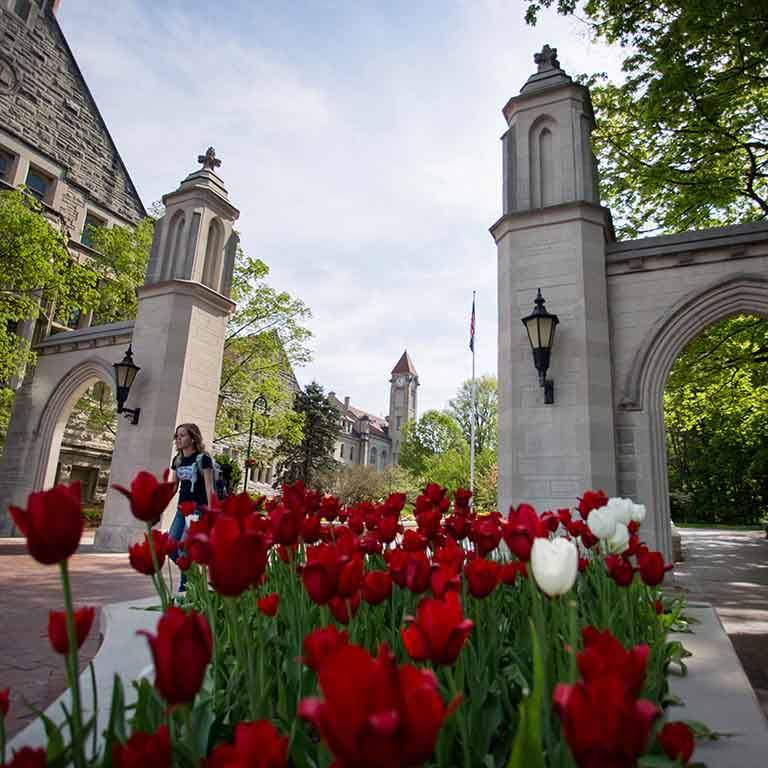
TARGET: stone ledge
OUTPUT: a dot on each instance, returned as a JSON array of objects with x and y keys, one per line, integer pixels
[
  {"x": 121, "y": 653},
  {"x": 716, "y": 692}
]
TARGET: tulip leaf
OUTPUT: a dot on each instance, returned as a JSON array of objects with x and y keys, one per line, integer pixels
[
  {"x": 116, "y": 725},
  {"x": 55, "y": 745},
  {"x": 657, "y": 761},
  {"x": 203, "y": 718},
  {"x": 527, "y": 746}
]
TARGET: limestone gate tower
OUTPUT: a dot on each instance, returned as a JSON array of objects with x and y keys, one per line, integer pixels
[{"x": 552, "y": 236}]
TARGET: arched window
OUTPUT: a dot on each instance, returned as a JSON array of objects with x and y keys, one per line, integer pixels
[
  {"x": 173, "y": 246},
  {"x": 213, "y": 255},
  {"x": 373, "y": 457},
  {"x": 543, "y": 145}
]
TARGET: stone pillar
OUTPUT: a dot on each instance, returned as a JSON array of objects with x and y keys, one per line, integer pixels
[
  {"x": 552, "y": 236},
  {"x": 178, "y": 339}
]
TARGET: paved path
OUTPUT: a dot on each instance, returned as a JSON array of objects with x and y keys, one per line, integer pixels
[
  {"x": 28, "y": 590},
  {"x": 730, "y": 570}
]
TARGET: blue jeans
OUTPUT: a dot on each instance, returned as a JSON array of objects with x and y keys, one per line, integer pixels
[{"x": 176, "y": 531}]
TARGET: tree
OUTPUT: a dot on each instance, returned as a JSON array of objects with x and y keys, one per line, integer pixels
[
  {"x": 265, "y": 337},
  {"x": 716, "y": 414},
  {"x": 312, "y": 456},
  {"x": 683, "y": 142},
  {"x": 356, "y": 483},
  {"x": 487, "y": 409},
  {"x": 434, "y": 433}
]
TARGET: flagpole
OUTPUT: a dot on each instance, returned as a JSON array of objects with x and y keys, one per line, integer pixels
[{"x": 472, "y": 409}]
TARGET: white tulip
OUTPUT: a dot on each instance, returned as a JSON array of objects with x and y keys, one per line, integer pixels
[
  {"x": 555, "y": 565},
  {"x": 638, "y": 513},
  {"x": 620, "y": 539},
  {"x": 622, "y": 509},
  {"x": 602, "y": 522}
]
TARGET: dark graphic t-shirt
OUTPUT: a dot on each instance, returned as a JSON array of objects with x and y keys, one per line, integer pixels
[{"x": 191, "y": 480}]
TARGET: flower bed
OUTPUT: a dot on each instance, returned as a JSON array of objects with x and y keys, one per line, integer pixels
[{"x": 312, "y": 634}]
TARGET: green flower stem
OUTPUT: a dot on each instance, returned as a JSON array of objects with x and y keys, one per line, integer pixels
[
  {"x": 78, "y": 747},
  {"x": 240, "y": 652},
  {"x": 190, "y": 734},
  {"x": 157, "y": 577},
  {"x": 460, "y": 715},
  {"x": 573, "y": 637}
]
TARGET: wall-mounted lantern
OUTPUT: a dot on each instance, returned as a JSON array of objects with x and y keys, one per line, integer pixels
[
  {"x": 541, "y": 325},
  {"x": 125, "y": 373}
]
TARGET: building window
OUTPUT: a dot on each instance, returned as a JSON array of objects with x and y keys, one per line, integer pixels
[
  {"x": 91, "y": 222},
  {"x": 341, "y": 451},
  {"x": 22, "y": 8},
  {"x": 6, "y": 161},
  {"x": 399, "y": 422},
  {"x": 351, "y": 452},
  {"x": 38, "y": 183}
]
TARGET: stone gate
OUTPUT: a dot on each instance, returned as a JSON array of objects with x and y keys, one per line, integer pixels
[{"x": 626, "y": 309}]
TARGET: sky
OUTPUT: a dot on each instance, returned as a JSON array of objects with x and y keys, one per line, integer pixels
[{"x": 360, "y": 142}]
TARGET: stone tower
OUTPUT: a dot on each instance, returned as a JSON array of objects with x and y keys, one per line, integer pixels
[
  {"x": 552, "y": 236},
  {"x": 178, "y": 337},
  {"x": 403, "y": 401}
]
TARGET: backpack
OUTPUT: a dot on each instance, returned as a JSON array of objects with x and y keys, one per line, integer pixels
[{"x": 219, "y": 486}]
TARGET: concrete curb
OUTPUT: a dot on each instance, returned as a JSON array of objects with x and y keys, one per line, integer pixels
[{"x": 121, "y": 653}]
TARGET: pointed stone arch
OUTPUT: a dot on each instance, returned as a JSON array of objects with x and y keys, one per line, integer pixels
[{"x": 543, "y": 143}]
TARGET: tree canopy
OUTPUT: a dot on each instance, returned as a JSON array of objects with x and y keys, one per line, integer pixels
[
  {"x": 716, "y": 413},
  {"x": 486, "y": 408},
  {"x": 432, "y": 434},
  {"x": 310, "y": 459},
  {"x": 683, "y": 142}
]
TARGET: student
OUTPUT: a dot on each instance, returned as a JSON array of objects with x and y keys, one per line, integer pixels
[{"x": 192, "y": 469}]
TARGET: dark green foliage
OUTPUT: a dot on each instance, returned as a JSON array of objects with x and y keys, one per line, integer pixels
[
  {"x": 309, "y": 459},
  {"x": 683, "y": 142},
  {"x": 716, "y": 413}
]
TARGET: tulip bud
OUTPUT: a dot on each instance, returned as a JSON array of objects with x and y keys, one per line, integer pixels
[
  {"x": 602, "y": 522},
  {"x": 621, "y": 508},
  {"x": 554, "y": 565},
  {"x": 638, "y": 513},
  {"x": 620, "y": 539}
]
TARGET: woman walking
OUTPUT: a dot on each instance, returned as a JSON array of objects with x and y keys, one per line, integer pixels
[{"x": 192, "y": 469}]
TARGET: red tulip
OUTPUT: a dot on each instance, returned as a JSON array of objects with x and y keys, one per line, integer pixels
[
  {"x": 257, "y": 745},
  {"x": 148, "y": 497},
  {"x": 451, "y": 555},
  {"x": 57, "y": 628},
  {"x": 141, "y": 558},
  {"x": 321, "y": 643},
  {"x": 443, "y": 579},
  {"x": 438, "y": 632},
  {"x": 603, "y": 723},
  {"x": 458, "y": 526},
  {"x": 658, "y": 607},
  {"x": 144, "y": 750},
  {"x": 377, "y": 587},
  {"x": 320, "y": 573},
  {"x": 53, "y": 523},
  {"x": 604, "y": 655},
  {"x": 486, "y": 533},
  {"x": 521, "y": 528},
  {"x": 482, "y": 576},
  {"x": 375, "y": 714},
  {"x": 388, "y": 527},
  {"x": 181, "y": 650},
  {"x": 677, "y": 741},
  {"x": 341, "y": 607},
  {"x": 5, "y": 701},
  {"x": 310, "y": 528},
  {"x": 237, "y": 557},
  {"x": 417, "y": 569},
  {"x": 27, "y": 757},
  {"x": 591, "y": 500},
  {"x": 619, "y": 570},
  {"x": 510, "y": 571},
  {"x": 413, "y": 541},
  {"x": 461, "y": 499},
  {"x": 350, "y": 576},
  {"x": 286, "y": 523},
  {"x": 268, "y": 604},
  {"x": 652, "y": 568}
]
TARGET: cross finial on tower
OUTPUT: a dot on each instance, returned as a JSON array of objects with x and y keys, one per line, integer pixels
[
  {"x": 547, "y": 59},
  {"x": 209, "y": 159}
]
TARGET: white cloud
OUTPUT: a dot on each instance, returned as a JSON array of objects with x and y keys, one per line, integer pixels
[{"x": 360, "y": 144}]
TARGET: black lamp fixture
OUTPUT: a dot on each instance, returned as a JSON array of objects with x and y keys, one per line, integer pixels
[
  {"x": 541, "y": 325},
  {"x": 263, "y": 405},
  {"x": 125, "y": 373}
]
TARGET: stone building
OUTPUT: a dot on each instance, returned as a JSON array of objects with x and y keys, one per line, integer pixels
[
  {"x": 371, "y": 440},
  {"x": 54, "y": 141}
]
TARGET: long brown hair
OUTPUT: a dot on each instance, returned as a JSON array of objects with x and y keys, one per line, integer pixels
[{"x": 197, "y": 437}]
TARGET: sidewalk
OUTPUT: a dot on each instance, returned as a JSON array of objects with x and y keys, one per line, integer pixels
[
  {"x": 729, "y": 569},
  {"x": 28, "y": 664}
]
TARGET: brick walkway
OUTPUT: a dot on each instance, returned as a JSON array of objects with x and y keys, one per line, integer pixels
[
  {"x": 28, "y": 665},
  {"x": 729, "y": 569}
]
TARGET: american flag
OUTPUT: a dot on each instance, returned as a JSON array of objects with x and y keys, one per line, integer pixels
[{"x": 472, "y": 327}]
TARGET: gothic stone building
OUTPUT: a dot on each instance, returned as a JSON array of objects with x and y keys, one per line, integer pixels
[
  {"x": 54, "y": 141},
  {"x": 375, "y": 441}
]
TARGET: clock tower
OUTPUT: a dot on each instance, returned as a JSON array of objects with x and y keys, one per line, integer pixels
[{"x": 402, "y": 401}]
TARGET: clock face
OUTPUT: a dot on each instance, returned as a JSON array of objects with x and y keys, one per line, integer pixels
[{"x": 400, "y": 381}]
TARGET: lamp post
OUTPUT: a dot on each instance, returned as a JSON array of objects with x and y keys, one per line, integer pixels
[
  {"x": 261, "y": 401},
  {"x": 540, "y": 326},
  {"x": 125, "y": 373}
]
